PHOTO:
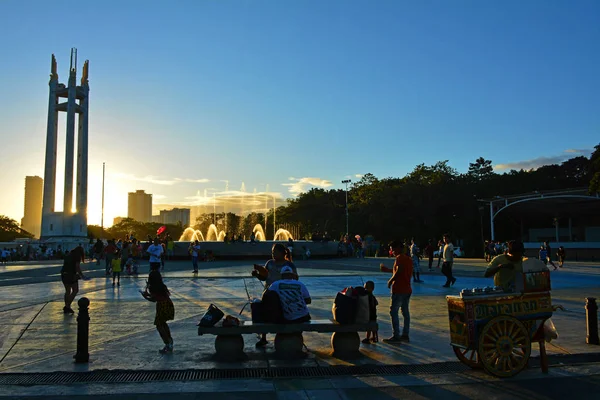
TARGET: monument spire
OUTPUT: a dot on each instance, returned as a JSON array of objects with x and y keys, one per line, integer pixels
[{"x": 70, "y": 224}]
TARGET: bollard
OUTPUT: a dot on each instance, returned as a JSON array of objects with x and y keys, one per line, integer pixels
[
  {"x": 591, "y": 319},
  {"x": 83, "y": 330}
]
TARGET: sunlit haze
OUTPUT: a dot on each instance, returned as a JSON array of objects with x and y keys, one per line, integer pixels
[{"x": 194, "y": 100}]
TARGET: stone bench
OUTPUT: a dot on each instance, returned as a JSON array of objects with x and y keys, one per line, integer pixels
[{"x": 345, "y": 340}]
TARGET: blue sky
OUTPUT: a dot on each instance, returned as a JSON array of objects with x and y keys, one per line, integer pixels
[{"x": 188, "y": 94}]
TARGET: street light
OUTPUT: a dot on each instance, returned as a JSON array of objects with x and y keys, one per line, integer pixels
[{"x": 346, "y": 182}]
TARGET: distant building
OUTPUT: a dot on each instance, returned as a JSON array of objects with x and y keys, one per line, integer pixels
[
  {"x": 175, "y": 216},
  {"x": 32, "y": 214},
  {"x": 139, "y": 206},
  {"x": 197, "y": 211},
  {"x": 117, "y": 220},
  {"x": 157, "y": 219}
]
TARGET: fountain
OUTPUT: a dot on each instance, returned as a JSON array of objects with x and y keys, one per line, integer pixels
[
  {"x": 282, "y": 234},
  {"x": 191, "y": 235},
  {"x": 259, "y": 233},
  {"x": 214, "y": 235}
]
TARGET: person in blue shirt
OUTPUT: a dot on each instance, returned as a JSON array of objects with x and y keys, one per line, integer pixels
[{"x": 543, "y": 255}]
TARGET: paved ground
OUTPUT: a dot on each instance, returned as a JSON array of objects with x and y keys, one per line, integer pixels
[{"x": 36, "y": 337}]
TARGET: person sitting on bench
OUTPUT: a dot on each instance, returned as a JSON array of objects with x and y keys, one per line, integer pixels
[{"x": 293, "y": 296}]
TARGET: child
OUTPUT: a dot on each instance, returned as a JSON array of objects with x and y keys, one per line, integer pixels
[
  {"x": 561, "y": 254},
  {"x": 131, "y": 266},
  {"x": 156, "y": 291},
  {"x": 116, "y": 269},
  {"x": 544, "y": 255},
  {"x": 372, "y": 336}
]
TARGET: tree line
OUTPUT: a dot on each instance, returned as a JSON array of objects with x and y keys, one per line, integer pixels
[{"x": 427, "y": 202}]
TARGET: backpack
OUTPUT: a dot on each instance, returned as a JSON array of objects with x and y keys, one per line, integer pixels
[{"x": 268, "y": 309}]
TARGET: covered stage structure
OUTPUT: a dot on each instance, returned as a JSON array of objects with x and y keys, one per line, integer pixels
[{"x": 569, "y": 218}]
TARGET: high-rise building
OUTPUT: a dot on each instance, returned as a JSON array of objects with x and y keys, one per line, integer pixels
[
  {"x": 32, "y": 215},
  {"x": 139, "y": 206},
  {"x": 175, "y": 216}
]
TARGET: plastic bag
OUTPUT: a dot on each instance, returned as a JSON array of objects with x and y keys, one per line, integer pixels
[
  {"x": 362, "y": 310},
  {"x": 230, "y": 320},
  {"x": 550, "y": 331}
]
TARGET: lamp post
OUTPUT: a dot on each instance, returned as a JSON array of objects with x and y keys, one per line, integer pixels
[
  {"x": 102, "y": 217},
  {"x": 346, "y": 182}
]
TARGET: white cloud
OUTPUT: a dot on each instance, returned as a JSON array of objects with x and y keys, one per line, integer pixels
[
  {"x": 157, "y": 181},
  {"x": 538, "y": 162},
  {"x": 202, "y": 180},
  {"x": 158, "y": 196},
  {"x": 147, "y": 179},
  {"x": 303, "y": 184},
  {"x": 358, "y": 176}
]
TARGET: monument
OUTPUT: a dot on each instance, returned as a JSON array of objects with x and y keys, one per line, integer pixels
[{"x": 70, "y": 224}]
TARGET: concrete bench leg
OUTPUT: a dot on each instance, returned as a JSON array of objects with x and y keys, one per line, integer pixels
[
  {"x": 289, "y": 344},
  {"x": 229, "y": 347},
  {"x": 345, "y": 344}
]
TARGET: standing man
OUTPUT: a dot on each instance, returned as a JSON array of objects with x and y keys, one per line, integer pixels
[
  {"x": 429, "y": 252},
  {"x": 401, "y": 291},
  {"x": 414, "y": 255},
  {"x": 440, "y": 252},
  {"x": 549, "y": 254},
  {"x": 98, "y": 250},
  {"x": 155, "y": 250},
  {"x": 448, "y": 261},
  {"x": 195, "y": 251}
]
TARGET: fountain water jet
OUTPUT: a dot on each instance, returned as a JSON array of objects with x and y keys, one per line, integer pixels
[
  {"x": 191, "y": 235},
  {"x": 259, "y": 232},
  {"x": 282, "y": 234},
  {"x": 212, "y": 234}
]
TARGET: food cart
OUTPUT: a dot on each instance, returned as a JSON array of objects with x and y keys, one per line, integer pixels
[{"x": 492, "y": 329}]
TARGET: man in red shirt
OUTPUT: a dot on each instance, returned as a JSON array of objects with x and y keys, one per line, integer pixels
[{"x": 401, "y": 291}]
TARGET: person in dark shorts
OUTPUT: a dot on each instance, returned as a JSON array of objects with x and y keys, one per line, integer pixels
[
  {"x": 70, "y": 274},
  {"x": 561, "y": 254},
  {"x": 157, "y": 292},
  {"x": 372, "y": 336}
]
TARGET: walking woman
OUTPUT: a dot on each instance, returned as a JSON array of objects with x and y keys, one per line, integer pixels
[
  {"x": 157, "y": 292},
  {"x": 70, "y": 274}
]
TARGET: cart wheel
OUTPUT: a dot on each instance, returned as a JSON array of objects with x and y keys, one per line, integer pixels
[
  {"x": 468, "y": 357},
  {"x": 504, "y": 346}
]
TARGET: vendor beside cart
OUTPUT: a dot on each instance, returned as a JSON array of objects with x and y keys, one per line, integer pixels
[{"x": 506, "y": 267}]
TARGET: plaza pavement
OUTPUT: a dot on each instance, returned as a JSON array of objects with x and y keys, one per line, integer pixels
[{"x": 35, "y": 336}]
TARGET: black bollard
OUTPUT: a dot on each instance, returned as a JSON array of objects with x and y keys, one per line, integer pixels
[
  {"x": 83, "y": 330},
  {"x": 591, "y": 319}
]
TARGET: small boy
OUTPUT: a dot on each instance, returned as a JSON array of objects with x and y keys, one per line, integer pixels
[
  {"x": 116, "y": 269},
  {"x": 544, "y": 255},
  {"x": 131, "y": 266},
  {"x": 372, "y": 336}
]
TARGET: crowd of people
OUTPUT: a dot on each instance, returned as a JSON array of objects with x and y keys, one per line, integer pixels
[
  {"x": 286, "y": 298},
  {"x": 30, "y": 252}
]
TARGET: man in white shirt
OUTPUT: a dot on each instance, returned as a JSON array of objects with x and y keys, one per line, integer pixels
[
  {"x": 293, "y": 296},
  {"x": 448, "y": 261},
  {"x": 155, "y": 250}
]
